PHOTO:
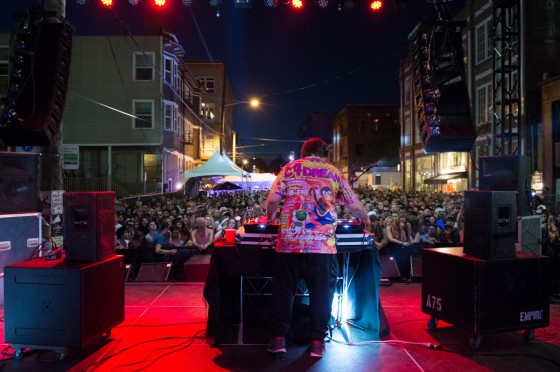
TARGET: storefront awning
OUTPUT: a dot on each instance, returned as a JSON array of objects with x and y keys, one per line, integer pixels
[{"x": 443, "y": 178}]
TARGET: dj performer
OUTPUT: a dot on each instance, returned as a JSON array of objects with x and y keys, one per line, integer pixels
[{"x": 311, "y": 188}]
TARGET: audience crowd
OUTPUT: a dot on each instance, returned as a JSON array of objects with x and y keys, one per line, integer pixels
[{"x": 174, "y": 228}]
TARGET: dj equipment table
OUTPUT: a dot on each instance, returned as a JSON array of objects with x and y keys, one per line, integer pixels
[{"x": 241, "y": 270}]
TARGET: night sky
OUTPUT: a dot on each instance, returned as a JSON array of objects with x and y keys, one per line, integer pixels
[{"x": 296, "y": 61}]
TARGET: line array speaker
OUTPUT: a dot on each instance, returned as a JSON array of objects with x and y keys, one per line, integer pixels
[{"x": 39, "y": 104}]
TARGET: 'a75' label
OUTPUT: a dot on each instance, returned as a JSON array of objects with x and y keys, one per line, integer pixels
[{"x": 433, "y": 302}]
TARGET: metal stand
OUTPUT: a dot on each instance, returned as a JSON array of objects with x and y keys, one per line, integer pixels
[{"x": 341, "y": 321}]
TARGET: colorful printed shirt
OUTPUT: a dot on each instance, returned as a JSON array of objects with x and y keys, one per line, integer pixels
[{"x": 311, "y": 188}]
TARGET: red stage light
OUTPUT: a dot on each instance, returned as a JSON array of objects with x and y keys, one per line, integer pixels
[
  {"x": 159, "y": 2},
  {"x": 376, "y": 5},
  {"x": 297, "y": 4},
  {"x": 107, "y": 2}
]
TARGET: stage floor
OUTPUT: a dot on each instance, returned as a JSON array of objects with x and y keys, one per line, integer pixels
[{"x": 164, "y": 329}]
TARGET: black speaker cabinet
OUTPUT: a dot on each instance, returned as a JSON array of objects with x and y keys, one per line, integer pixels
[
  {"x": 60, "y": 303},
  {"x": 490, "y": 224},
  {"x": 415, "y": 266},
  {"x": 18, "y": 182},
  {"x": 89, "y": 225},
  {"x": 507, "y": 173},
  {"x": 485, "y": 295},
  {"x": 20, "y": 236},
  {"x": 154, "y": 272},
  {"x": 40, "y": 102},
  {"x": 389, "y": 268}
]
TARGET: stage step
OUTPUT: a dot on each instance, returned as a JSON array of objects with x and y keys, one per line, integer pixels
[{"x": 196, "y": 268}]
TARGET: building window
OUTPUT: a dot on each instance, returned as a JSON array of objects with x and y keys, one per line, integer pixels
[
  {"x": 484, "y": 42},
  {"x": 143, "y": 111},
  {"x": 170, "y": 116},
  {"x": 208, "y": 110},
  {"x": 171, "y": 72},
  {"x": 167, "y": 116},
  {"x": 483, "y": 104},
  {"x": 208, "y": 83},
  {"x": 188, "y": 131},
  {"x": 144, "y": 63}
]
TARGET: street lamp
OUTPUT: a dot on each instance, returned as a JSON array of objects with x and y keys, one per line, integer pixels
[{"x": 253, "y": 103}]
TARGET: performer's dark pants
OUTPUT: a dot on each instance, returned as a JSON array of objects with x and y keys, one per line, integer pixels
[{"x": 320, "y": 272}]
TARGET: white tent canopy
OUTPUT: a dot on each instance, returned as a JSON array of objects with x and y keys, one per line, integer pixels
[
  {"x": 262, "y": 180},
  {"x": 217, "y": 166}
]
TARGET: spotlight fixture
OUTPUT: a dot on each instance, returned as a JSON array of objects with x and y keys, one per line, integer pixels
[
  {"x": 81, "y": 2},
  {"x": 323, "y": 3},
  {"x": 108, "y": 3},
  {"x": 297, "y": 4},
  {"x": 134, "y": 2},
  {"x": 159, "y": 2},
  {"x": 214, "y": 2},
  {"x": 187, "y": 3},
  {"x": 270, "y": 3}
]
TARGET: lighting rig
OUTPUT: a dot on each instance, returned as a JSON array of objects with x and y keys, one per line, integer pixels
[{"x": 373, "y": 5}]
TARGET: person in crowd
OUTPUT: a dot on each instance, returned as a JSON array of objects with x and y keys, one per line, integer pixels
[
  {"x": 553, "y": 231},
  {"x": 450, "y": 237},
  {"x": 378, "y": 231},
  {"x": 400, "y": 244},
  {"x": 175, "y": 240},
  {"x": 123, "y": 237},
  {"x": 156, "y": 242},
  {"x": 202, "y": 236},
  {"x": 310, "y": 188},
  {"x": 231, "y": 223}
]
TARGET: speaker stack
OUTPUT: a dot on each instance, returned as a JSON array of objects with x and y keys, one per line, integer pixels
[
  {"x": 507, "y": 173},
  {"x": 89, "y": 225}
]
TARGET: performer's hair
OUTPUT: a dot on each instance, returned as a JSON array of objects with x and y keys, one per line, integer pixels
[{"x": 315, "y": 146}]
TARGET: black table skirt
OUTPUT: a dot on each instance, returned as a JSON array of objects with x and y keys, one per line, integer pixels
[{"x": 228, "y": 263}]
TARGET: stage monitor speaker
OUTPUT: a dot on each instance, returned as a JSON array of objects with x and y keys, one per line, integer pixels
[
  {"x": 89, "y": 225},
  {"x": 507, "y": 173},
  {"x": 154, "y": 272},
  {"x": 18, "y": 183},
  {"x": 415, "y": 266},
  {"x": 39, "y": 105},
  {"x": 389, "y": 268},
  {"x": 490, "y": 224}
]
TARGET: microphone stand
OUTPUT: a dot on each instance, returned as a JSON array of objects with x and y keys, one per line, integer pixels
[{"x": 355, "y": 179}]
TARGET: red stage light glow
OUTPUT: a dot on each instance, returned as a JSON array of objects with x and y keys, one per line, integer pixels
[
  {"x": 297, "y": 4},
  {"x": 107, "y": 2},
  {"x": 376, "y": 5},
  {"x": 159, "y": 2}
]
